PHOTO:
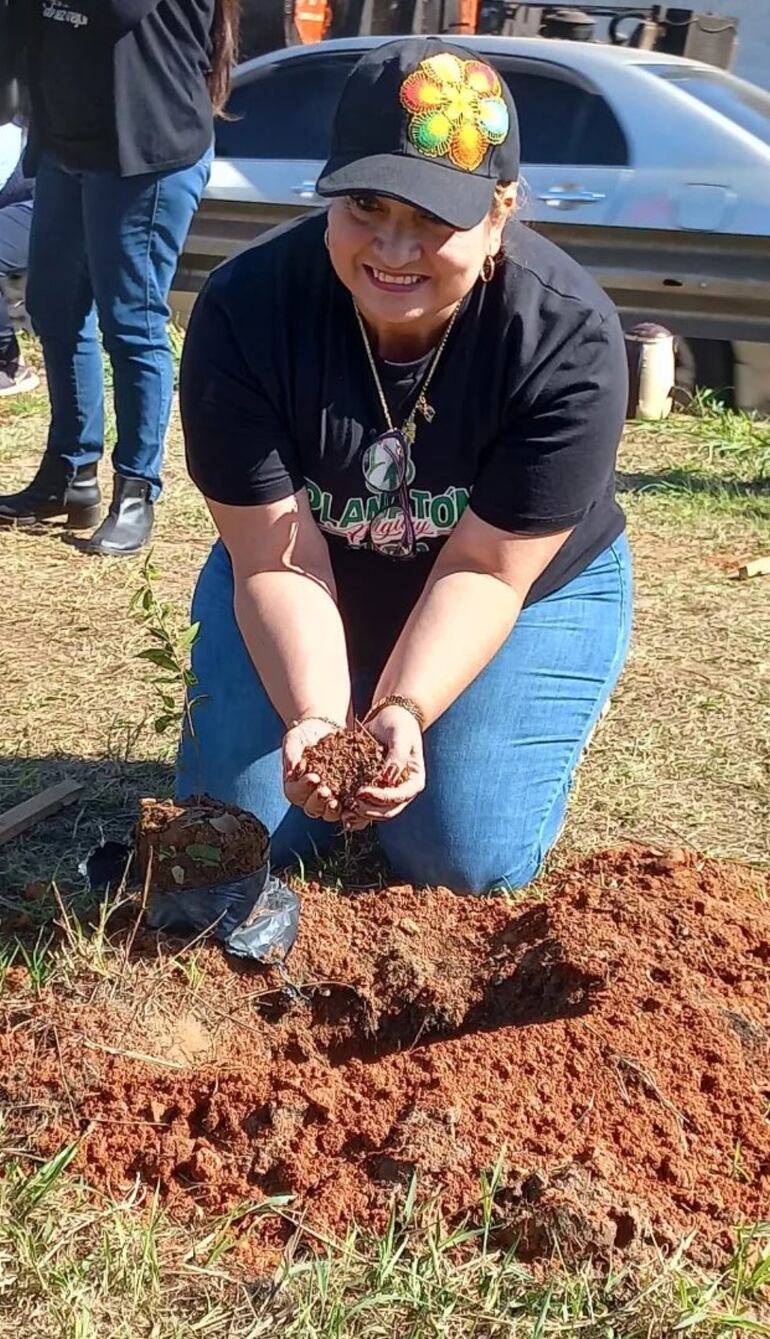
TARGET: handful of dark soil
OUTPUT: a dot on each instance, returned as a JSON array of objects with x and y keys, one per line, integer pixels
[
  {"x": 197, "y": 843},
  {"x": 345, "y": 761}
]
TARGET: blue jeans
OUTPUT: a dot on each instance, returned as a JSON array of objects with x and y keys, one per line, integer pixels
[
  {"x": 109, "y": 244},
  {"x": 14, "y": 249},
  {"x": 499, "y": 762}
]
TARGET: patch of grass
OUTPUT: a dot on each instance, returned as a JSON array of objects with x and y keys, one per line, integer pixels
[
  {"x": 37, "y": 959},
  {"x": 116, "y": 1272},
  {"x": 714, "y": 460},
  {"x": 739, "y": 438}
]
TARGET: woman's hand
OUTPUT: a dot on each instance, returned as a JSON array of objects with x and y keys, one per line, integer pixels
[
  {"x": 304, "y": 788},
  {"x": 398, "y": 732}
]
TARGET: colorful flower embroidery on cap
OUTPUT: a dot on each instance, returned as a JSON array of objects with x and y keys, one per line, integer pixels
[{"x": 456, "y": 109}]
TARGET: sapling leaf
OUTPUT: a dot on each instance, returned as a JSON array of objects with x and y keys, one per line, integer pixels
[
  {"x": 157, "y": 656},
  {"x": 187, "y": 637},
  {"x": 204, "y": 855}
]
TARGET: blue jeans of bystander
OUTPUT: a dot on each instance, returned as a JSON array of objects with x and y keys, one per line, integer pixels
[{"x": 109, "y": 244}]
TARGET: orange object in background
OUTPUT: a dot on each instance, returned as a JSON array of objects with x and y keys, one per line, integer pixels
[
  {"x": 468, "y": 16},
  {"x": 312, "y": 19}
]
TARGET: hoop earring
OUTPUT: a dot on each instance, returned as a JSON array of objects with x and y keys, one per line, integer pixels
[
  {"x": 487, "y": 270},
  {"x": 326, "y": 237}
]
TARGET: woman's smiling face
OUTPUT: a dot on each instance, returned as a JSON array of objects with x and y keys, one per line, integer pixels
[{"x": 406, "y": 270}]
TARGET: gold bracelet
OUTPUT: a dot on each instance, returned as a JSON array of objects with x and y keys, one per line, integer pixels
[
  {"x": 396, "y": 700},
  {"x": 327, "y": 720}
]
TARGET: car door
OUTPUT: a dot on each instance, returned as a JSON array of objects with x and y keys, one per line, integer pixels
[
  {"x": 276, "y": 138},
  {"x": 574, "y": 151}
]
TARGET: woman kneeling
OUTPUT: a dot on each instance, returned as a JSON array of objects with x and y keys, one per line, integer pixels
[{"x": 404, "y": 414}]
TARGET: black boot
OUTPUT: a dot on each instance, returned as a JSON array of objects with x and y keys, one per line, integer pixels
[
  {"x": 128, "y": 525},
  {"x": 56, "y": 490}
]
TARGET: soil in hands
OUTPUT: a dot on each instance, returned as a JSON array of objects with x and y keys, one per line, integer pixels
[
  {"x": 197, "y": 842},
  {"x": 611, "y": 1041},
  {"x": 345, "y": 761}
]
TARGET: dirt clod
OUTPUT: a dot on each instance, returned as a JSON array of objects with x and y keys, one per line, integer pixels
[
  {"x": 345, "y": 761},
  {"x": 197, "y": 842},
  {"x": 513, "y": 1038}
]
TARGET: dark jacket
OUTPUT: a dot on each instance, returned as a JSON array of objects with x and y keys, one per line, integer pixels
[
  {"x": 11, "y": 58},
  {"x": 160, "y": 52}
]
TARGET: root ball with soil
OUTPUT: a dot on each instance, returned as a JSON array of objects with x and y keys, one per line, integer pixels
[{"x": 197, "y": 842}]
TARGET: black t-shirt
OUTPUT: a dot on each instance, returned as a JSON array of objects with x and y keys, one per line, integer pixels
[
  {"x": 121, "y": 84},
  {"x": 529, "y": 396}
]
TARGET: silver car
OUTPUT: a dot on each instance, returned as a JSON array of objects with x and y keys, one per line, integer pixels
[
  {"x": 653, "y": 171},
  {"x": 610, "y": 136}
]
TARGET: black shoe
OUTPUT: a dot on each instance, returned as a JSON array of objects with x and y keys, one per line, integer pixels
[
  {"x": 127, "y": 527},
  {"x": 56, "y": 490}
]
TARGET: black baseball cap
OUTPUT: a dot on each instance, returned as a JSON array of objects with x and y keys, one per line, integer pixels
[{"x": 426, "y": 122}]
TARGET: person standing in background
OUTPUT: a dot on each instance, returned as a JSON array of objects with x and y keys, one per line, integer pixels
[
  {"x": 15, "y": 218},
  {"x": 123, "y": 94}
]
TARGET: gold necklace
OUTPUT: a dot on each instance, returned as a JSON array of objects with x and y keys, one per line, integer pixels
[{"x": 409, "y": 426}]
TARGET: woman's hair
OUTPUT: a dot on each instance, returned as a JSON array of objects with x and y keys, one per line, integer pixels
[
  {"x": 502, "y": 210},
  {"x": 224, "y": 39},
  {"x": 501, "y": 205}
]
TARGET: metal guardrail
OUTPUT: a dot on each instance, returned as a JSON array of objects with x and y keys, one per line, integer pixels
[{"x": 708, "y": 285}]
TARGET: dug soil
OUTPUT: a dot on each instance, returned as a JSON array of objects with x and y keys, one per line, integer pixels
[
  {"x": 345, "y": 761},
  {"x": 606, "y": 1047}
]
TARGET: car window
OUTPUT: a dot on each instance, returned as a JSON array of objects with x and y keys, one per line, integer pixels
[
  {"x": 286, "y": 110},
  {"x": 741, "y": 102},
  {"x": 563, "y": 123}
]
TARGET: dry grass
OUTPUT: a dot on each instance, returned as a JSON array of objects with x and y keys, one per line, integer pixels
[
  {"x": 684, "y": 756},
  {"x": 73, "y": 698}
]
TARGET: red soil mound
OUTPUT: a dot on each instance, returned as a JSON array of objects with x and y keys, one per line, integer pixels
[{"x": 612, "y": 1040}]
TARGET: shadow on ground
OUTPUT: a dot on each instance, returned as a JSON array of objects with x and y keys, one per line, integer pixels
[
  {"x": 106, "y": 809},
  {"x": 685, "y": 481}
]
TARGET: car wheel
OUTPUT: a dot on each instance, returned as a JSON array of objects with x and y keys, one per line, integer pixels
[{"x": 708, "y": 364}]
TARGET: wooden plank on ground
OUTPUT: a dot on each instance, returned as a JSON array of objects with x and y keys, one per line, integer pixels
[
  {"x": 15, "y": 821},
  {"x": 758, "y": 567}
]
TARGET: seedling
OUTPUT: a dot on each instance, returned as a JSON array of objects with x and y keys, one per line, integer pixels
[{"x": 170, "y": 654}]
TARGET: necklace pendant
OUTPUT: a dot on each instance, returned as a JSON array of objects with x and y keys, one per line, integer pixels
[
  {"x": 427, "y": 410},
  {"x": 409, "y": 432}
]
